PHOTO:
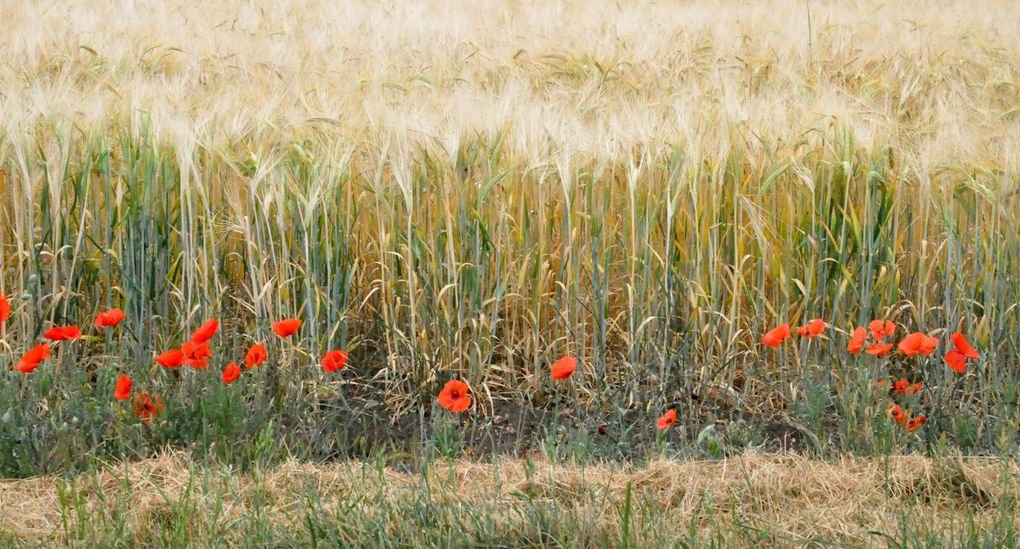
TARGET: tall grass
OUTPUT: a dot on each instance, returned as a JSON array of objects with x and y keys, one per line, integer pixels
[{"x": 651, "y": 210}]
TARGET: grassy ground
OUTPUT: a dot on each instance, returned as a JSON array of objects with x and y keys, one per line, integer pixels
[
  {"x": 748, "y": 500},
  {"x": 473, "y": 190}
]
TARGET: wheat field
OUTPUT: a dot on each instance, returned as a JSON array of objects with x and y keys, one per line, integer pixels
[{"x": 472, "y": 190}]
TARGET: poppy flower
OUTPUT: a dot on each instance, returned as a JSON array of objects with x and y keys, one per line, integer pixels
[
  {"x": 454, "y": 396},
  {"x": 915, "y": 388},
  {"x": 206, "y": 331},
  {"x": 956, "y": 360},
  {"x": 257, "y": 354},
  {"x": 196, "y": 355},
  {"x": 880, "y": 349},
  {"x": 109, "y": 318},
  {"x": 62, "y": 333},
  {"x": 899, "y": 414},
  {"x": 916, "y": 423},
  {"x": 171, "y": 359},
  {"x": 147, "y": 407},
  {"x": 5, "y": 309},
  {"x": 288, "y": 327},
  {"x": 857, "y": 341},
  {"x": 961, "y": 345},
  {"x": 880, "y": 329},
  {"x": 31, "y": 360},
  {"x": 123, "y": 390},
  {"x": 334, "y": 361},
  {"x": 812, "y": 329},
  {"x": 901, "y": 385},
  {"x": 231, "y": 373},
  {"x": 775, "y": 336},
  {"x": 564, "y": 367},
  {"x": 667, "y": 419},
  {"x": 918, "y": 344}
]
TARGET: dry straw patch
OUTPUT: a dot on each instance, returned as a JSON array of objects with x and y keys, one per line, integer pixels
[{"x": 789, "y": 495}]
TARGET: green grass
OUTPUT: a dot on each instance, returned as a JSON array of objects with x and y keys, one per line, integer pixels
[{"x": 661, "y": 280}]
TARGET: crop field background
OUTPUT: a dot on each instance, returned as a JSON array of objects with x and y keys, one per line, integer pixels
[{"x": 473, "y": 190}]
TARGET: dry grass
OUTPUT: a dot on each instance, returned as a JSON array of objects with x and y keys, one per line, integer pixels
[{"x": 793, "y": 497}]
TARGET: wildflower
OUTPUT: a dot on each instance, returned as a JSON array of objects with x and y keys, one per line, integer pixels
[
  {"x": 955, "y": 360},
  {"x": 231, "y": 373},
  {"x": 916, "y": 423},
  {"x": 109, "y": 318},
  {"x": 857, "y": 341},
  {"x": 171, "y": 359},
  {"x": 812, "y": 329},
  {"x": 31, "y": 360},
  {"x": 880, "y": 330},
  {"x": 334, "y": 361},
  {"x": 775, "y": 336},
  {"x": 901, "y": 385},
  {"x": 5, "y": 309},
  {"x": 918, "y": 344},
  {"x": 123, "y": 390},
  {"x": 196, "y": 355},
  {"x": 147, "y": 407},
  {"x": 288, "y": 327},
  {"x": 961, "y": 345},
  {"x": 206, "y": 331},
  {"x": 564, "y": 367},
  {"x": 899, "y": 414},
  {"x": 880, "y": 349},
  {"x": 667, "y": 419},
  {"x": 62, "y": 333},
  {"x": 454, "y": 396},
  {"x": 257, "y": 354}
]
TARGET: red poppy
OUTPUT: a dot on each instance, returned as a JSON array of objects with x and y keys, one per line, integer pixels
[
  {"x": 334, "y": 361},
  {"x": 916, "y": 423},
  {"x": 206, "y": 331},
  {"x": 454, "y": 396},
  {"x": 956, "y": 360},
  {"x": 564, "y": 367},
  {"x": 899, "y": 414},
  {"x": 857, "y": 341},
  {"x": 5, "y": 309},
  {"x": 62, "y": 333},
  {"x": 880, "y": 329},
  {"x": 915, "y": 388},
  {"x": 961, "y": 345},
  {"x": 171, "y": 359},
  {"x": 196, "y": 355},
  {"x": 256, "y": 356},
  {"x": 231, "y": 373},
  {"x": 123, "y": 390},
  {"x": 775, "y": 336},
  {"x": 880, "y": 349},
  {"x": 812, "y": 329},
  {"x": 147, "y": 407},
  {"x": 667, "y": 419},
  {"x": 918, "y": 344},
  {"x": 287, "y": 327},
  {"x": 901, "y": 385},
  {"x": 109, "y": 318},
  {"x": 31, "y": 360}
]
